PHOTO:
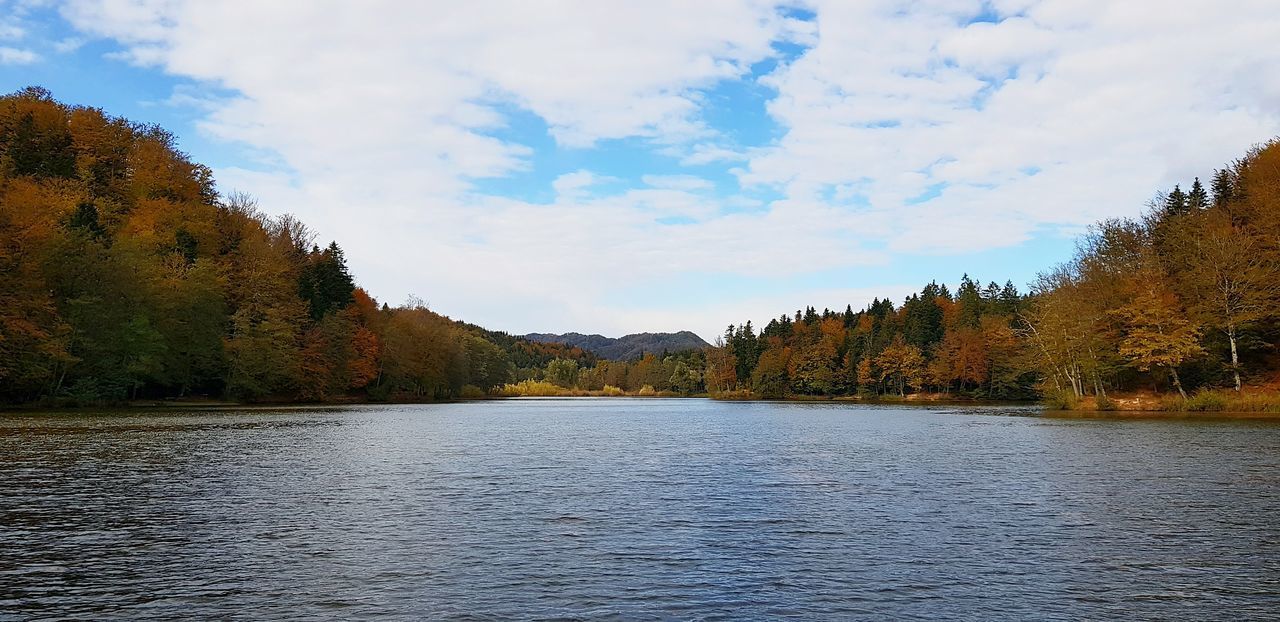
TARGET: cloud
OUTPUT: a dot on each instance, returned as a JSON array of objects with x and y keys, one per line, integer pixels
[
  {"x": 575, "y": 184},
  {"x": 677, "y": 182},
  {"x": 900, "y": 130},
  {"x": 17, "y": 56},
  {"x": 68, "y": 45},
  {"x": 11, "y": 31},
  {"x": 708, "y": 154},
  {"x": 1060, "y": 113}
]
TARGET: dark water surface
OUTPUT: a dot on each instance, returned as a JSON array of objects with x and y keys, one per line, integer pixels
[{"x": 636, "y": 509}]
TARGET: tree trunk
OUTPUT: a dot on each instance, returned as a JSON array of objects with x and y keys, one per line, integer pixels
[
  {"x": 1235, "y": 356},
  {"x": 1177, "y": 384},
  {"x": 1098, "y": 388}
]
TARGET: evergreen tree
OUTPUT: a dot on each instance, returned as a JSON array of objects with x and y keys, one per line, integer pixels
[
  {"x": 1175, "y": 203},
  {"x": 1010, "y": 299},
  {"x": 1197, "y": 198},
  {"x": 325, "y": 283},
  {"x": 1224, "y": 187},
  {"x": 970, "y": 301}
]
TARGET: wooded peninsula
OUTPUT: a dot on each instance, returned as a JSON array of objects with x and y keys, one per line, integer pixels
[{"x": 125, "y": 275}]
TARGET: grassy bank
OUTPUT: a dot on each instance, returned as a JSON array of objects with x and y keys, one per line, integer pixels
[
  {"x": 541, "y": 388},
  {"x": 1206, "y": 401},
  {"x": 911, "y": 398}
]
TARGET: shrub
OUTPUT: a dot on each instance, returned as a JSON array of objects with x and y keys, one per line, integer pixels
[
  {"x": 471, "y": 392},
  {"x": 612, "y": 391},
  {"x": 1173, "y": 404},
  {"x": 1216, "y": 400},
  {"x": 1207, "y": 401},
  {"x": 1103, "y": 402},
  {"x": 733, "y": 394},
  {"x": 1254, "y": 403},
  {"x": 647, "y": 390},
  {"x": 531, "y": 388},
  {"x": 1060, "y": 400}
]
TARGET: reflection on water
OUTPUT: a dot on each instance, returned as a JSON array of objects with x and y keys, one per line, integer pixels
[{"x": 636, "y": 509}]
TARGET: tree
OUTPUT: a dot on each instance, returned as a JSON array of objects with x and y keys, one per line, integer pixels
[
  {"x": 866, "y": 376},
  {"x": 325, "y": 284},
  {"x": 263, "y": 352},
  {"x": 969, "y": 303},
  {"x": 685, "y": 379},
  {"x": 420, "y": 350},
  {"x": 563, "y": 373},
  {"x": 901, "y": 364},
  {"x": 1156, "y": 331},
  {"x": 962, "y": 358},
  {"x": 1227, "y": 279},
  {"x": 721, "y": 368},
  {"x": 1066, "y": 326},
  {"x": 1009, "y": 372},
  {"x": 1224, "y": 187},
  {"x": 811, "y": 369},
  {"x": 488, "y": 366},
  {"x": 770, "y": 378},
  {"x": 1175, "y": 203},
  {"x": 1197, "y": 198}
]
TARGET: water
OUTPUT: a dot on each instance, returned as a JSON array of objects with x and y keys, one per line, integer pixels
[{"x": 636, "y": 509}]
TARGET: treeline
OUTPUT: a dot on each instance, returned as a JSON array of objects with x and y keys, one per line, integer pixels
[
  {"x": 124, "y": 274},
  {"x": 677, "y": 374},
  {"x": 964, "y": 343},
  {"x": 1185, "y": 298}
]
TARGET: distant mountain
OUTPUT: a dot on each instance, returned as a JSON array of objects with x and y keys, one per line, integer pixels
[{"x": 628, "y": 347}]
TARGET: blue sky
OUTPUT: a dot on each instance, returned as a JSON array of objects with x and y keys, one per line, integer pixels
[{"x": 620, "y": 168}]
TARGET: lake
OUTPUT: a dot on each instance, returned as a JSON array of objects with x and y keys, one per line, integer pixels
[{"x": 636, "y": 509}]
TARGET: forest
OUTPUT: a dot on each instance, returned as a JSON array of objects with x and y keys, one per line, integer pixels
[
  {"x": 1181, "y": 304},
  {"x": 125, "y": 275},
  {"x": 1184, "y": 299}
]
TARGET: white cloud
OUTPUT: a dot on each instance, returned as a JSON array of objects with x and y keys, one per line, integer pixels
[
  {"x": 1104, "y": 101},
  {"x": 907, "y": 129},
  {"x": 17, "y": 56},
  {"x": 708, "y": 154},
  {"x": 575, "y": 184},
  {"x": 11, "y": 31},
  {"x": 677, "y": 182},
  {"x": 68, "y": 45}
]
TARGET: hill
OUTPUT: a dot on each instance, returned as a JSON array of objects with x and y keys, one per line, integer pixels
[
  {"x": 124, "y": 274},
  {"x": 627, "y": 347}
]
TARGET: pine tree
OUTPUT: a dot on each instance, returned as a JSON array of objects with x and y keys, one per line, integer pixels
[
  {"x": 1175, "y": 203},
  {"x": 970, "y": 300},
  {"x": 1224, "y": 187},
  {"x": 325, "y": 283},
  {"x": 1197, "y": 198}
]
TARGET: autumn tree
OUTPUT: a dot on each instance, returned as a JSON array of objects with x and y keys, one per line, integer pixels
[
  {"x": 769, "y": 378},
  {"x": 721, "y": 371},
  {"x": 1230, "y": 283},
  {"x": 1156, "y": 332},
  {"x": 902, "y": 365}
]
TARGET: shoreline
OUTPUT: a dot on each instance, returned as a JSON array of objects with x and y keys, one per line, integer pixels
[
  {"x": 1151, "y": 415},
  {"x": 1084, "y": 411}
]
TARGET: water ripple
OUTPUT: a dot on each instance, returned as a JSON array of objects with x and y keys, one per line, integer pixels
[{"x": 636, "y": 510}]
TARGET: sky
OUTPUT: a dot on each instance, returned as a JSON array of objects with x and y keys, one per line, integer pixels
[{"x": 619, "y": 167}]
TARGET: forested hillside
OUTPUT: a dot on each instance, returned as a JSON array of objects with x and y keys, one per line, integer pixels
[
  {"x": 123, "y": 274},
  {"x": 627, "y": 347},
  {"x": 1185, "y": 298}
]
